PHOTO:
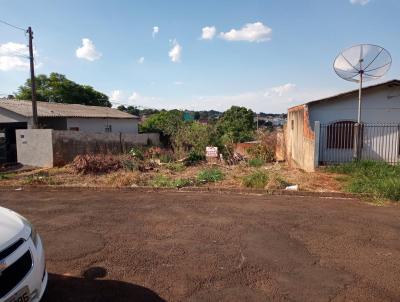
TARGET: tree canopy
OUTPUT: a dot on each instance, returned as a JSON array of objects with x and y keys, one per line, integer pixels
[
  {"x": 57, "y": 88},
  {"x": 236, "y": 124}
]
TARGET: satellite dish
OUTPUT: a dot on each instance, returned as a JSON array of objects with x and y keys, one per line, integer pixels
[{"x": 362, "y": 63}]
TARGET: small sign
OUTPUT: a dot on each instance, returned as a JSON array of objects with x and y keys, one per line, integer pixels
[{"x": 212, "y": 152}]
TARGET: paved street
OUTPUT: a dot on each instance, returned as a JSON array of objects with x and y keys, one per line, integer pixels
[{"x": 132, "y": 246}]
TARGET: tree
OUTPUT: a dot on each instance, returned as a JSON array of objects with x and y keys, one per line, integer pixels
[
  {"x": 130, "y": 109},
  {"x": 167, "y": 123},
  {"x": 192, "y": 137},
  {"x": 57, "y": 88},
  {"x": 236, "y": 125}
]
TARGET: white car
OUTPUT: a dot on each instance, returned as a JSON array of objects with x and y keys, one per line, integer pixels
[{"x": 23, "y": 275}]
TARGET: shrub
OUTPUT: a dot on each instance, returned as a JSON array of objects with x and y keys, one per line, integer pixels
[
  {"x": 257, "y": 179},
  {"x": 129, "y": 164},
  {"x": 256, "y": 162},
  {"x": 194, "y": 158},
  {"x": 137, "y": 153},
  {"x": 98, "y": 163},
  {"x": 210, "y": 175},
  {"x": 377, "y": 178},
  {"x": 175, "y": 167},
  {"x": 265, "y": 150}
]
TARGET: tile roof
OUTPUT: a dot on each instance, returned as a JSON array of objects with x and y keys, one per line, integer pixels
[{"x": 46, "y": 109}]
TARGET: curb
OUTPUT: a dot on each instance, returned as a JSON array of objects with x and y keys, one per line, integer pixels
[{"x": 241, "y": 191}]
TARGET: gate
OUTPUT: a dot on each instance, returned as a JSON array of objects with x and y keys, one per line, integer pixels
[{"x": 377, "y": 142}]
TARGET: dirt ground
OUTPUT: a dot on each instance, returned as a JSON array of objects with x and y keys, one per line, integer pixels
[{"x": 174, "y": 246}]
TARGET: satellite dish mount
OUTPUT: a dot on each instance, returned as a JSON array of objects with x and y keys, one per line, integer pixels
[{"x": 362, "y": 63}]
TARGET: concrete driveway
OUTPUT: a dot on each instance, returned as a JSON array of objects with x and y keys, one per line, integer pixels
[{"x": 132, "y": 246}]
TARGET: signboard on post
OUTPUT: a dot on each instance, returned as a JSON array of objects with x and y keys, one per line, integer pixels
[{"x": 211, "y": 152}]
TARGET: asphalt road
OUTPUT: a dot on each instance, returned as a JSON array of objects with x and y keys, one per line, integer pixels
[{"x": 131, "y": 246}]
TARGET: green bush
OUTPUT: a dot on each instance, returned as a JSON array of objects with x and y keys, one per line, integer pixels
[
  {"x": 257, "y": 179},
  {"x": 256, "y": 162},
  {"x": 377, "y": 178},
  {"x": 210, "y": 175},
  {"x": 194, "y": 158},
  {"x": 137, "y": 153}
]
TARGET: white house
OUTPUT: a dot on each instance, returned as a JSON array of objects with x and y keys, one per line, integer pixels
[
  {"x": 16, "y": 114},
  {"x": 322, "y": 131}
]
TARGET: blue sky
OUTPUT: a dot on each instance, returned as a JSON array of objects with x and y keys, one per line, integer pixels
[{"x": 266, "y": 55}]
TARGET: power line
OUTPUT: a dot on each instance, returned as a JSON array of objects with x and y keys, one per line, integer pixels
[{"x": 14, "y": 26}]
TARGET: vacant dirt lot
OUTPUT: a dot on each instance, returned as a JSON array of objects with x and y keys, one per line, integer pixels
[{"x": 132, "y": 246}]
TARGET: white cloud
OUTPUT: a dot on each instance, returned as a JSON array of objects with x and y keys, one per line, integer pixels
[
  {"x": 251, "y": 32},
  {"x": 14, "y": 56},
  {"x": 156, "y": 30},
  {"x": 176, "y": 52},
  {"x": 134, "y": 97},
  {"x": 280, "y": 90},
  {"x": 115, "y": 95},
  {"x": 208, "y": 32},
  {"x": 178, "y": 83},
  {"x": 141, "y": 60},
  {"x": 88, "y": 51},
  {"x": 359, "y": 2}
]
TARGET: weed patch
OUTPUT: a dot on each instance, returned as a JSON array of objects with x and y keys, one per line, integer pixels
[
  {"x": 163, "y": 181},
  {"x": 210, "y": 175},
  {"x": 377, "y": 178},
  {"x": 257, "y": 179},
  {"x": 256, "y": 162}
]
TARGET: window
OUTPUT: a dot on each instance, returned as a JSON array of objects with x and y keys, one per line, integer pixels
[
  {"x": 340, "y": 135},
  {"x": 108, "y": 128}
]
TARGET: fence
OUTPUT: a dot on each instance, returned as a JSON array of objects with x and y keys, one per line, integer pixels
[{"x": 337, "y": 142}]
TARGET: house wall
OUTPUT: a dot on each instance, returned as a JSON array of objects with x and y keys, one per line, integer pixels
[
  {"x": 376, "y": 107},
  {"x": 380, "y": 105},
  {"x": 300, "y": 140},
  {"x": 93, "y": 125},
  {"x": 48, "y": 148}
]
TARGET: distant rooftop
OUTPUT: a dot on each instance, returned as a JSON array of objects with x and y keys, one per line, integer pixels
[{"x": 46, "y": 109}]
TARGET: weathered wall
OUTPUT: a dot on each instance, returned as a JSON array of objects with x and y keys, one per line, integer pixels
[
  {"x": 48, "y": 148},
  {"x": 34, "y": 147},
  {"x": 280, "y": 149},
  {"x": 94, "y": 125},
  {"x": 300, "y": 141},
  {"x": 68, "y": 144}
]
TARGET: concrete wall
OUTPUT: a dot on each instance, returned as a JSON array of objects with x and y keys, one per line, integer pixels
[
  {"x": 48, "y": 148},
  {"x": 379, "y": 105},
  {"x": 94, "y": 125},
  {"x": 300, "y": 139},
  {"x": 34, "y": 147}
]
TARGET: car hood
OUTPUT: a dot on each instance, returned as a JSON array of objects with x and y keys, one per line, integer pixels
[{"x": 11, "y": 227}]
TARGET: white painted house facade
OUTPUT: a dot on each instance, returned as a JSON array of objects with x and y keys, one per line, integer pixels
[{"x": 322, "y": 131}]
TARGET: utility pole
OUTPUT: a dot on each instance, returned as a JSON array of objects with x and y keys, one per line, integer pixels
[{"x": 33, "y": 85}]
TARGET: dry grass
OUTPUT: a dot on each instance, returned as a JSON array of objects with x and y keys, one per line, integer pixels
[{"x": 279, "y": 176}]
